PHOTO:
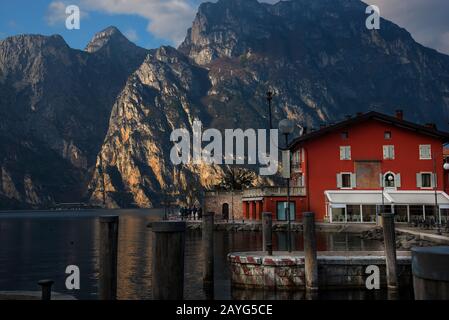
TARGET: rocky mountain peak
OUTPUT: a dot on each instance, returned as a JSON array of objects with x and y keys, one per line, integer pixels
[{"x": 109, "y": 37}]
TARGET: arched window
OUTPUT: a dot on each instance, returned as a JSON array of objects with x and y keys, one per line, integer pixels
[{"x": 391, "y": 180}]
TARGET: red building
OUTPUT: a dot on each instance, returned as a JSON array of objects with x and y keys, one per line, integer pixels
[{"x": 351, "y": 171}]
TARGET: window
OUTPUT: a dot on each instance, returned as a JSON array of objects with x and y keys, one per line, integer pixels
[
  {"x": 387, "y": 135},
  {"x": 388, "y": 152},
  {"x": 425, "y": 152},
  {"x": 346, "y": 181},
  {"x": 296, "y": 161},
  {"x": 345, "y": 153},
  {"x": 425, "y": 180},
  {"x": 390, "y": 180},
  {"x": 345, "y": 135},
  {"x": 300, "y": 181},
  {"x": 282, "y": 211}
]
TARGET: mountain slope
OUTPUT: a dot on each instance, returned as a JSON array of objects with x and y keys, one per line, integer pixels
[{"x": 55, "y": 106}]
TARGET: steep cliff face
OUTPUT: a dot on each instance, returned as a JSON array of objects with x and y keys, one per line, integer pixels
[
  {"x": 55, "y": 106},
  {"x": 134, "y": 166}
]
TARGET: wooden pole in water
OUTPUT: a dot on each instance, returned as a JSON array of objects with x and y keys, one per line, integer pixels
[
  {"x": 310, "y": 251},
  {"x": 46, "y": 289},
  {"x": 390, "y": 250},
  {"x": 168, "y": 260},
  {"x": 108, "y": 257},
  {"x": 208, "y": 248},
  {"x": 431, "y": 273},
  {"x": 267, "y": 233}
]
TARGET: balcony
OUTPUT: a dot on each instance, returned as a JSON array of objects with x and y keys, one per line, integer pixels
[{"x": 273, "y": 192}]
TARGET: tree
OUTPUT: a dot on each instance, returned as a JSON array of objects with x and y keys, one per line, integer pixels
[{"x": 236, "y": 178}]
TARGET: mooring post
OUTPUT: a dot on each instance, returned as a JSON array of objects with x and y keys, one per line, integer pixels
[
  {"x": 431, "y": 273},
  {"x": 310, "y": 251},
  {"x": 267, "y": 233},
  {"x": 46, "y": 288},
  {"x": 390, "y": 250},
  {"x": 108, "y": 257},
  {"x": 208, "y": 248},
  {"x": 168, "y": 260}
]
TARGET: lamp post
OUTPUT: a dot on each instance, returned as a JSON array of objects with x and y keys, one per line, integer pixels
[
  {"x": 286, "y": 128},
  {"x": 270, "y": 99}
]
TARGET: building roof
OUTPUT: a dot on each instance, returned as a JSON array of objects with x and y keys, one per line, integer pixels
[{"x": 373, "y": 115}]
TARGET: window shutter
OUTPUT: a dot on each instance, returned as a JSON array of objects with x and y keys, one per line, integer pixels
[
  {"x": 353, "y": 180},
  {"x": 339, "y": 181},
  {"x": 392, "y": 155},
  {"x": 381, "y": 180},
  {"x": 385, "y": 152},
  {"x": 419, "y": 180},
  {"x": 434, "y": 180},
  {"x": 348, "y": 153},
  {"x": 398, "y": 181}
]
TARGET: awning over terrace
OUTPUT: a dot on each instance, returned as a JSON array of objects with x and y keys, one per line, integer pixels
[{"x": 346, "y": 197}]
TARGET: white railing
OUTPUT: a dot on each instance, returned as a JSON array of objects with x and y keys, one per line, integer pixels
[{"x": 273, "y": 192}]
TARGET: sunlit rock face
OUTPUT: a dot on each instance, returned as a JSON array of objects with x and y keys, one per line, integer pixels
[{"x": 78, "y": 120}]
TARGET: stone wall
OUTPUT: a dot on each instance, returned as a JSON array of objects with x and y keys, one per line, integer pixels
[
  {"x": 344, "y": 271},
  {"x": 214, "y": 201}
]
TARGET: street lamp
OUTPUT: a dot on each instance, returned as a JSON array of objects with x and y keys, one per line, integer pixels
[
  {"x": 286, "y": 128},
  {"x": 270, "y": 99}
]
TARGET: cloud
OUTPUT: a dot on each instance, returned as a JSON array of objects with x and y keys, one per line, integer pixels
[
  {"x": 426, "y": 20},
  {"x": 132, "y": 35},
  {"x": 56, "y": 13},
  {"x": 167, "y": 19}
]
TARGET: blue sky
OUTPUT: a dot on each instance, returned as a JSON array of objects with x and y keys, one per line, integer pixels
[{"x": 151, "y": 23}]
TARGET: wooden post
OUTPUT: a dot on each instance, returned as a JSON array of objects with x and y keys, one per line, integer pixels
[
  {"x": 431, "y": 273},
  {"x": 208, "y": 248},
  {"x": 108, "y": 257},
  {"x": 46, "y": 289},
  {"x": 310, "y": 251},
  {"x": 390, "y": 250},
  {"x": 168, "y": 260},
  {"x": 267, "y": 233}
]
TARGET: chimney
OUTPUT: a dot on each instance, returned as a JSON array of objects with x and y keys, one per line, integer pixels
[
  {"x": 400, "y": 114},
  {"x": 305, "y": 131}
]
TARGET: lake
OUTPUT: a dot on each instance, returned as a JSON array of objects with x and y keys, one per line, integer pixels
[{"x": 40, "y": 245}]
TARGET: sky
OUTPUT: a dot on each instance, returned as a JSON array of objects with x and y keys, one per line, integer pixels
[{"x": 151, "y": 23}]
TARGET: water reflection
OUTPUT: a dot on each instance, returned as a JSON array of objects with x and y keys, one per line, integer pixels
[{"x": 41, "y": 245}]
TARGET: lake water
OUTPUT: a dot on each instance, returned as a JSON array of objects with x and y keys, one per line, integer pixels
[{"x": 40, "y": 245}]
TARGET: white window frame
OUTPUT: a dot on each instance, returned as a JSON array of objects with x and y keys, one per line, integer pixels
[
  {"x": 397, "y": 180},
  {"x": 387, "y": 155},
  {"x": 345, "y": 153},
  {"x": 421, "y": 153},
  {"x": 419, "y": 180},
  {"x": 353, "y": 178}
]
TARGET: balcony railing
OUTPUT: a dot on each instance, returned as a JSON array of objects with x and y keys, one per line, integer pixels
[{"x": 274, "y": 192}]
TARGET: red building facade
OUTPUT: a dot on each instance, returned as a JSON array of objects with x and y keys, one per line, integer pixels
[
  {"x": 372, "y": 163},
  {"x": 352, "y": 171}
]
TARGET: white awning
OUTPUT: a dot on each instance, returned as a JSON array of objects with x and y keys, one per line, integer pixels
[
  {"x": 356, "y": 197},
  {"x": 419, "y": 197},
  {"x": 351, "y": 197}
]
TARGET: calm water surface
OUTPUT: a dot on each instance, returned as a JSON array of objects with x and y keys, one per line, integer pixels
[{"x": 40, "y": 245}]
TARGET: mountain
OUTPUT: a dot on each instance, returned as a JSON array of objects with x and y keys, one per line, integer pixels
[
  {"x": 317, "y": 56},
  {"x": 55, "y": 106},
  {"x": 86, "y": 124}
]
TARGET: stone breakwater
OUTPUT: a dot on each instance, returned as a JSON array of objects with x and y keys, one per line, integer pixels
[
  {"x": 403, "y": 241},
  {"x": 282, "y": 227},
  {"x": 336, "y": 270}
]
